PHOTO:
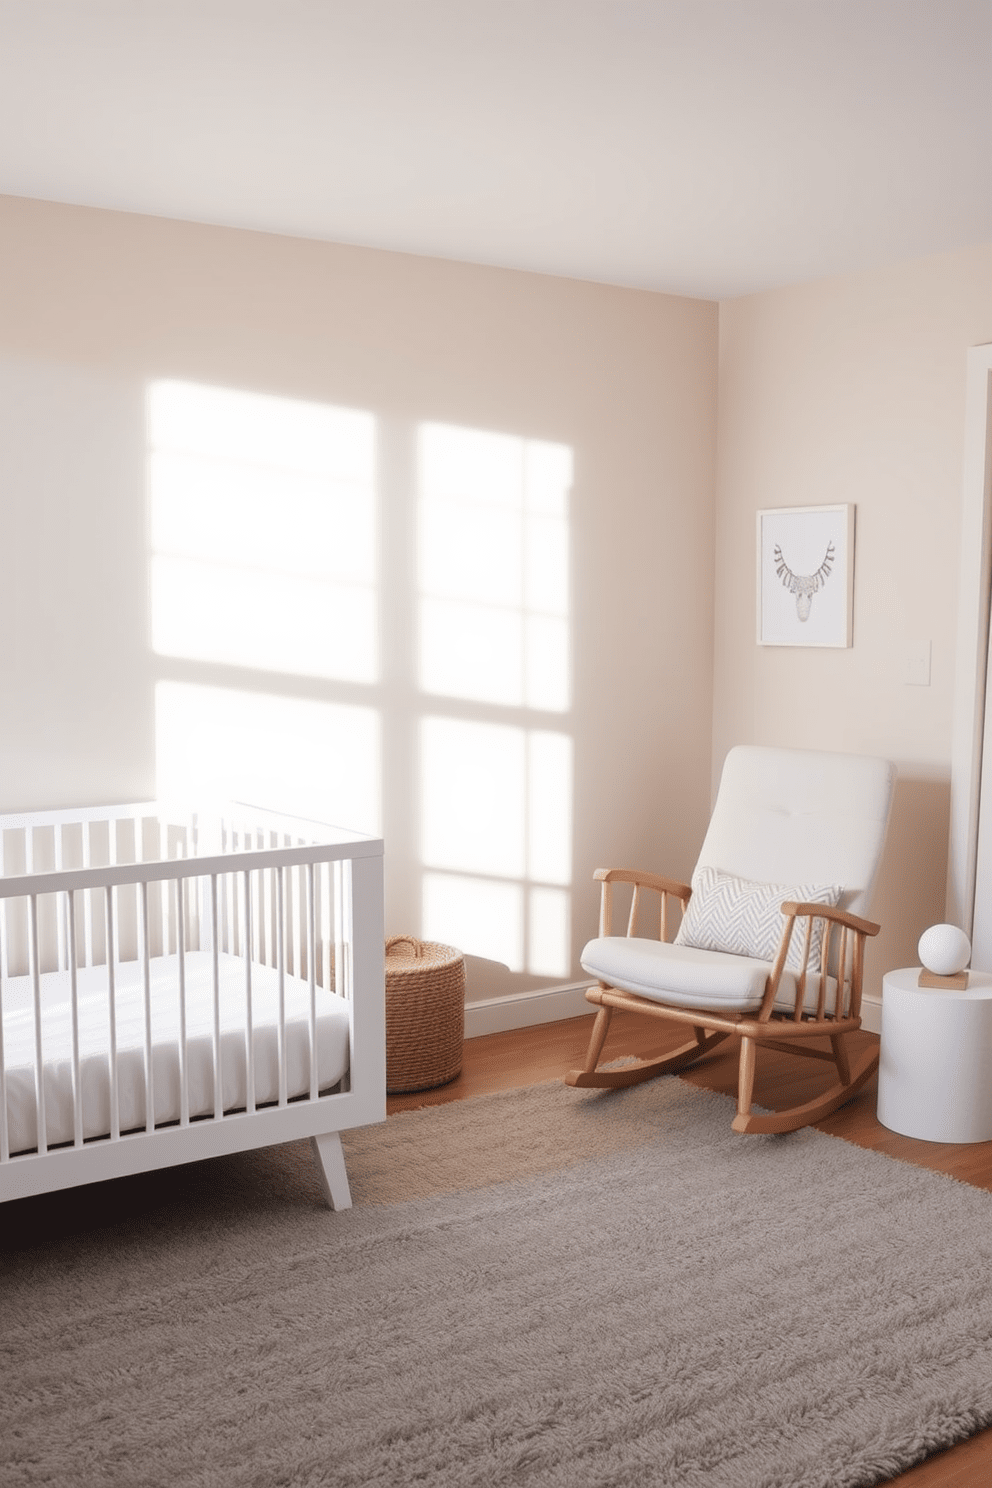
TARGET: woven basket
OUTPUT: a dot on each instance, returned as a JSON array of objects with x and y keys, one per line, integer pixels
[{"x": 425, "y": 1013}]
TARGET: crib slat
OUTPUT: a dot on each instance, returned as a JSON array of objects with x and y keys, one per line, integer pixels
[
  {"x": 146, "y": 979},
  {"x": 267, "y": 911},
  {"x": 181, "y": 954},
  {"x": 266, "y": 949},
  {"x": 215, "y": 956},
  {"x": 39, "y": 1065},
  {"x": 60, "y": 928},
  {"x": 87, "y": 900},
  {"x": 115, "y": 1110},
  {"x": 327, "y": 926},
  {"x": 194, "y": 919},
  {"x": 249, "y": 1033},
  {"x": 77, "y": 1088},
  {"x": 230, "y": 895},
  {"x": 295, "y": 888},
  {"x": 260, "y": 923},
  {"x": 165, "y": 852},
  {"x": 311, "y": 977},
  {"x": 338, "y": 923},
  {"x": 255, "y": 939},
  {"x": 286, "y": 875},
  {"x": 281, "y": 967},
  {"x": 301, "y": 874},
  {"x": 342, "y": 978}
]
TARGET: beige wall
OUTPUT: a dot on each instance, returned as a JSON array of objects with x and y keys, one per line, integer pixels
[
  {"x": 846, "y": 390},
  {"x": 853, "y": 390},
  {"x": 95, "y": 305}
]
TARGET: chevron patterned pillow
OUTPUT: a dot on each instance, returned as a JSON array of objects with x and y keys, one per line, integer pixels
[{"x": 733, "y": 914}]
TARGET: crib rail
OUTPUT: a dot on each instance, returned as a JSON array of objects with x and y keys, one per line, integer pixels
[{"x": 113, "y": 896}]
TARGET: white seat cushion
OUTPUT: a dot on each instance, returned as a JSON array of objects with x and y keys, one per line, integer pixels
[{"x": 687, "y": 977}]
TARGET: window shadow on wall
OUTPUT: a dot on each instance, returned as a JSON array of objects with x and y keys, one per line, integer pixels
[{"x": 274, "y": 595}]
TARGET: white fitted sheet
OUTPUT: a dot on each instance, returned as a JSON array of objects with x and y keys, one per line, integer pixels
[{"x": 94, "y": 1043}]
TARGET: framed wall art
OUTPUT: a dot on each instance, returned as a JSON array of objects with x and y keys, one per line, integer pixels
[{"x": 806, "y": 576}]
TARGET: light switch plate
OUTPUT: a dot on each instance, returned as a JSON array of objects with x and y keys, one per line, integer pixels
[{"x": 917, "y": 673}]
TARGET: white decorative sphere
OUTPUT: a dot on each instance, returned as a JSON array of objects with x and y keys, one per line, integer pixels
[{"x": 944, "y": 950}]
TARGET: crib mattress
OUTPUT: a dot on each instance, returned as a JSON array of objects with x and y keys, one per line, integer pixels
[{"x": 94, "y": 1043}]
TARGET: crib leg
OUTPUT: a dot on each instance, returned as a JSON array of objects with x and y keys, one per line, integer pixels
[{"x": 333, "y": 1174}]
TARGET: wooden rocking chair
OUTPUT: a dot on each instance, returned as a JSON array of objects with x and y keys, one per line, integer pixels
[{"x": 794, "y": 833}]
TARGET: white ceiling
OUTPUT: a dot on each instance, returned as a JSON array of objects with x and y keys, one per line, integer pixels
[{"x": 709, "y": 147}]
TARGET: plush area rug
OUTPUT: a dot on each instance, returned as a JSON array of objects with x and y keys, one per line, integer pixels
[{"x": 548, "y": 1287}]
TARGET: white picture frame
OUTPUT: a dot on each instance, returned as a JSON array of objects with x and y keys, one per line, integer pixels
[{"x": 806, "y": 576}]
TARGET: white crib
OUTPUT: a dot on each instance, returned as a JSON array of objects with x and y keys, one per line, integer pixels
[{"x": 178, "y": 984}]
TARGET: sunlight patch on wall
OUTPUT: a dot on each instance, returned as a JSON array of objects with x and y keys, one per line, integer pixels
[
  {"x": 480, "y": 916},
  {"x": 496, "y": 816},
  {"x": 266, "y": 566},
  {"x": 548, "y": 932},
  {"x": 493, "y": 561},
  {"x": 312, "y": 759},
  {"x": 263, "y": 532}
]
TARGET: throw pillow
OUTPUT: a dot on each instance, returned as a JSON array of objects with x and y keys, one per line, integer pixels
[{"x": 733, "y": 914}]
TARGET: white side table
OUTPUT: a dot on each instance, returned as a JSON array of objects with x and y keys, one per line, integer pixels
[{"x": 935, "y": 1072}]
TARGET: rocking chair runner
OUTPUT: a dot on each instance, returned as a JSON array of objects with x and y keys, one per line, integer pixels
[{"x": 809, "y": 824}]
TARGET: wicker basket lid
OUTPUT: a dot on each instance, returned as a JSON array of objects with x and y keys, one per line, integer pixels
[{"x": 405, "y": 954}]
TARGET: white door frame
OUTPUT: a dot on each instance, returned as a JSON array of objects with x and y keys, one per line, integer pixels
[{"x": 974, "y": 590}]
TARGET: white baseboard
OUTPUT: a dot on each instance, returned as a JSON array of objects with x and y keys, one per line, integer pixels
[
  {"x": 871, "y": 1014},
  {"x": 524, "y": 1009}
]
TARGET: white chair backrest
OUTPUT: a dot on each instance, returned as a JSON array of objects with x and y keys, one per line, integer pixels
[{"x": 798, "y": 816}]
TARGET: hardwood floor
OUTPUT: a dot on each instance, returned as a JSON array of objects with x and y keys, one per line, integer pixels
[{"x": 526, "y": 1056}]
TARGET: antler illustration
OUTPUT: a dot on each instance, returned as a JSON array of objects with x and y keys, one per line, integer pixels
[{"x": 804, "y": 586}]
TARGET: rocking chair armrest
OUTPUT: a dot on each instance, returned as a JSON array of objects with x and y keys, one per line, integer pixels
[
  {"x": 641, "y": 880},
  {"x": 838, "y": 916},
  {"x": 647, "y": 880},
  {"x": 850, "y": 959}
]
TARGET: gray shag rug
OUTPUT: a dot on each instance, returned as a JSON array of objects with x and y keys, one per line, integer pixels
[{"x": 547, "y": 1287}]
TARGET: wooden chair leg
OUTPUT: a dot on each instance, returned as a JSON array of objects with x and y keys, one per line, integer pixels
[
  {"x": 597, "y": 1039},
  {"x": 863, "y": 1067},
  {"x": 745, "y": 1078},
  {"x": 589, "y": 1077},
  {"x": 839, "y": 1046}
]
